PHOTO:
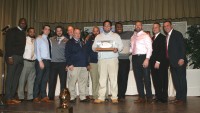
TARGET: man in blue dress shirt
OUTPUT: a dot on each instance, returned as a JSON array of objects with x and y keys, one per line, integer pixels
[{"x": 43, "y": 56}]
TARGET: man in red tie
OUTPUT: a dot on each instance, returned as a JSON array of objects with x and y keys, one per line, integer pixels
[{"x": 177, "y": 61}]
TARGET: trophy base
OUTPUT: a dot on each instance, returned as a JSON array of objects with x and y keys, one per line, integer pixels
[
  {"x": 64, "y": 110},
  {"x": 105, "y": 49}
]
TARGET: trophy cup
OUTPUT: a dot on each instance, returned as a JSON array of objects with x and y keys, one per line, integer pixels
[{"x": 64, "y": 102}]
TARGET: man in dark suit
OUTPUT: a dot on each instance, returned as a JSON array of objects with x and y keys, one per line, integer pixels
[
  {"x": 175, "y": 52},
  {"x": 159, "y": 65}
]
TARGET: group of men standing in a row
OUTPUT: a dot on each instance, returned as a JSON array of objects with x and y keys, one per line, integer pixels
[{"x": 36, "y": 61}]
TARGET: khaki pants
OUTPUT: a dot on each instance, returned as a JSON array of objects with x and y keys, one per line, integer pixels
[
  {"x": 80, "y": 75},
  {"x": 95, "y": 79},
  {"x": 108, "y": 68}
]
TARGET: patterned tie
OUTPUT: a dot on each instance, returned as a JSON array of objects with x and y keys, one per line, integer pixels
[{"x": 79, "y": 41}]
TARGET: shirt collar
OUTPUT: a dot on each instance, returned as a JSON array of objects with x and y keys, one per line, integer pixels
[
  {"x": 60, "y": 38},
  {"x": 19, "y": 28},
  {"x": 170, "y": 32},
  {"x": 139, "y": 33},
  {"x": 76, "y": 39},
  {"x": 109, "y": 33},
  {"x": 45, "y": 36},
  {"x": 157, "y": 35}
]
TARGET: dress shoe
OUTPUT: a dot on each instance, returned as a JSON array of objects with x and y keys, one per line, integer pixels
[
  {"x": 121, "y": 99},
  {"x": 22, "y": 100},
  {"x": 98, "y": 101},
  {"x": 88, "y": 97},
  {"x": 149, "y": 100},
  {"x": 16, "y": 100},
  {"x": 36, "y": 100},
  {"x": 173, "y": 101},
  {"x": 107, "y": 99},
  {"x": 114, "y": 101},
  {"x": 85, "y": 100},
  {"x": 164, "y": 100},
  {"x": 179, "y": 102},
  {"x": 29, "y": 100},
  {"x": 73, "y": 101},
  {"x": 140, "y": 100},
  {"x": 46, "y": 99},
  {"x": 10, "y": 102}
]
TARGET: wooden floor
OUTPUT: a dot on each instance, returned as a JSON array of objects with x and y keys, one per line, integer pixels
[{"x": 192, "y": 106}]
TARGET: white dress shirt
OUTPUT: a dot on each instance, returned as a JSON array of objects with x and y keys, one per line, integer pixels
[
  {"x": 29, "y": 49},
  {"x": 168, "y": 36}
]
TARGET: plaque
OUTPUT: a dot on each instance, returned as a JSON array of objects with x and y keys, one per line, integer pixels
[{"x": 106, "y": 45}]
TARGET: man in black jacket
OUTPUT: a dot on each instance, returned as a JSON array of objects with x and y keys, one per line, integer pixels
[
  {"x": 176, "y": 54},
  {"x": 14, "y": 46},
  {"x": 159, "y": 65}
]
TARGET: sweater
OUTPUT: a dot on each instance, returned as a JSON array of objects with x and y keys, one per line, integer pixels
[
  {"x": 15, "y": 42},
  {"x": 75, "y": 53}
]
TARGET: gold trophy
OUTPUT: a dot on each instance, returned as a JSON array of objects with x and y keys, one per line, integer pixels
[{"x": 64, "y": 102}]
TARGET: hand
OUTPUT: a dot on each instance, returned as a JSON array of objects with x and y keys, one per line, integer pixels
[
  {"x": 146, "y": 63},
  {"x": 71, "y": 67},
  {"x": 157, "y": 65},
  {"x": 180, "y": 62},
  {"x": 41, "y": 64},
  {"x": 115, "y": 50},
  {"x": 39, "y": 36},
  {"x": 10, "y": 60},
  {"x": 89, "y": 67},
  {"x": 66, "y": 68}
]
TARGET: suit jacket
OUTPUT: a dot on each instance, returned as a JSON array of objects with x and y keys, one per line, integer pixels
[
  {"x": 159, "y": 50},
  {"x": 176, "y": 48}
]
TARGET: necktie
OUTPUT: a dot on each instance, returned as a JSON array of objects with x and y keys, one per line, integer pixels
[
  {"x": 49, "y": 46},
  {"x": 79, "y": 42},
  {"x": 153, "y": 38},
  {"x": 59, "y": 40}
]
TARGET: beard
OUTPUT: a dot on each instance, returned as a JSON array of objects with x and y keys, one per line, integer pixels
[{"x": 137, "y": 29}]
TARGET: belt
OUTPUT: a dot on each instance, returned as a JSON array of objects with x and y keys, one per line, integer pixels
[
  {"x": 29, "y": 60},
  {"x": 139, "y": 55},
  {"x": 46, "y": 60}
]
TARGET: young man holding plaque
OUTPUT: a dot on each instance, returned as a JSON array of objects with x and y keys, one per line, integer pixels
[{"x": 107, "y": 61}]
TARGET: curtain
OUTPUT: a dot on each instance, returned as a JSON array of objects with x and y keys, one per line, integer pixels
[{"x": 71, "y": 11}]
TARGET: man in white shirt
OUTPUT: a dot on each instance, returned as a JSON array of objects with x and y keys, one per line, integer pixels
[
  {"x": 28, "y": 72},
  {"x": 108, "y": 62}
]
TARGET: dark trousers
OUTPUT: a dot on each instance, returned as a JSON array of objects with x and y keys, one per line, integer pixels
[
  {"x": 41, "y": 79},
  {"x": 142, "y": 76},
  {"x": 179, "y": 81},
  {"x": 160, "y": 81},
  {"x": 57, "y": 68},
  {"x": 123, "y": 72},
  {"x": 13, "y": 75}
]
